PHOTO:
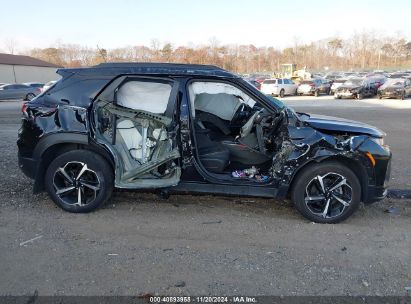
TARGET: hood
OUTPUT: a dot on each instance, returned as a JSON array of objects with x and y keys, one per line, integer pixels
[
  {"x": 321, "y": 122},
  {"x": 392, "y": 87}
]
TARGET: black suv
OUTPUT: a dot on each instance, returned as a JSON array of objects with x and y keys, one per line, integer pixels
[{"x": 193, "y": 128}]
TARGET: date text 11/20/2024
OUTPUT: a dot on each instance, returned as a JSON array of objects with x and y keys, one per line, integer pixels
[{"x": 202, "y": 299}]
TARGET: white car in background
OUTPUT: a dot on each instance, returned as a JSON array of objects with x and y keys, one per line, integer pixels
[
  {"x": 279, "y": 87},
  {"x": 336, "y": 84}
]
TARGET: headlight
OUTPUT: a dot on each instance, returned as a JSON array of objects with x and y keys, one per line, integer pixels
[{"x": 378, "y": 140}]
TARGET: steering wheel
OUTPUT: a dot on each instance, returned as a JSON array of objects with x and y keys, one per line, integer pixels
[{"x": 241, "y": 115}]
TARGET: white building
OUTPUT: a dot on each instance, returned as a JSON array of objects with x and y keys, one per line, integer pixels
[{"x": 18, "y": 69}]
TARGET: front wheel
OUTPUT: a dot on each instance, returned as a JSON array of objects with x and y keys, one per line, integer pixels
[
  {"x": 282, "y": 93},
  {"x": 79, "y": 181},
  {"x": 326, "y": 192}
]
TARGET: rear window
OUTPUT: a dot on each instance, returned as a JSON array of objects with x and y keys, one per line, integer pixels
[{"x": 75, "y": 90}]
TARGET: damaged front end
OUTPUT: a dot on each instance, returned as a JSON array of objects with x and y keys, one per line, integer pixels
[{"x": 304, "y": 144}]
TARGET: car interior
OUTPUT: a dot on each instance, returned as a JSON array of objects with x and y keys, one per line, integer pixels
[{"x": 235, "y": 136}]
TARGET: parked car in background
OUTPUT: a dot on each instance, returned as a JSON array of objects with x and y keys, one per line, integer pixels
[
  {"x": 357, "y": 88},
  {"x": 314, "y": 87},
  {"x": 395, "y": 88},
  {"x": 378, "y": 79},
  {"x": 17, "y": 91},
  {"x": 332, "y": 76},
  {"x": 254, "y": 83},
  {"x": 336, "y": 84},
  {"x": 279, "y": 87},
  {"x": 34, "y": 84},
  {"x": 400, "y": 75},
  {"x": 48, "y": 85}
]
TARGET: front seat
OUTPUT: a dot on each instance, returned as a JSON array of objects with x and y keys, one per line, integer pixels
[{"x": 213, "y": 156}]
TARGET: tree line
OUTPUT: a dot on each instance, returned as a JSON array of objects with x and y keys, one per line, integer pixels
[{"x": 362, "y": 51}]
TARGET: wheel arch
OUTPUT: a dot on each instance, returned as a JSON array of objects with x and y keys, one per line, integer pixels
[
  {"x": 354, "y": 165},
  {"x": 56, "y": 144}
]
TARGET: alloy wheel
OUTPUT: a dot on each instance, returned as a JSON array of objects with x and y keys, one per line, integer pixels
[
  {"x": 328, "y": 195},
  {"x": 76, "y": 184}
]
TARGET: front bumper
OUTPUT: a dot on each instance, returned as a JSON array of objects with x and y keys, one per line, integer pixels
[
  {"x": 344, "y": 94},
  {"x": 375, "y": 194},
  {"x": 306, "y": 92},
  {"x": 389, "y": 94}
]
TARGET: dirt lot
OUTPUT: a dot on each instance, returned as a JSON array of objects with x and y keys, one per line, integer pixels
[{"x": 201, "y": 245}]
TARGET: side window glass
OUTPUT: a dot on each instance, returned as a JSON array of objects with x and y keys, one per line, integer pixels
[
  {"x": 280, "y": 81},
  {"x": 144, "y": 95}
]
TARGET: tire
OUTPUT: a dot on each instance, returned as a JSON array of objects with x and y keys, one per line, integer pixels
[
  {"x": 95, "y": 184},
  {"x": 359, "y": 96},
  {"x": 296, "y": 92},
  {"x": 282, "y": 93},
  {"x": 30, "y": 96},
  {"x": 307, "y": 184},
  {"x": 316, "y": 93}
]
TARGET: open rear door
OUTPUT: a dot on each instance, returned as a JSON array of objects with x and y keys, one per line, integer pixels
[{"x": 134, "y": 117}]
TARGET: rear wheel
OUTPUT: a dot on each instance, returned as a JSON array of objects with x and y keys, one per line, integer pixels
[
  {"x": 282, "y": 93},
  {"x": 326, "y": 193},
  {"x": 79, "y": 181}
]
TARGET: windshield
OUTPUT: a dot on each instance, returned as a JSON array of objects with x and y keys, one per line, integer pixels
[
  {"x": 276, "y": 102},
  {"x": 352, "y": 82}
]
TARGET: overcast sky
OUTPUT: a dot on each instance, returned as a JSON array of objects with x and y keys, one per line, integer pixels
[{"x": 118, "y": 23}]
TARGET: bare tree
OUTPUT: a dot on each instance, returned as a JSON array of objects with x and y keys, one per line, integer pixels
[{"x": 10, "y": 45}]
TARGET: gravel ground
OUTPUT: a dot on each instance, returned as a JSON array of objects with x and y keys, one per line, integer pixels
[{"x": 197, "y": 245}]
